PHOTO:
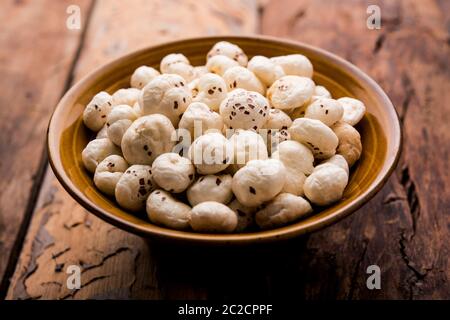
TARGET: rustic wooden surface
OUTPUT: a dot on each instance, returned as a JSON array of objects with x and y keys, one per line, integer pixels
[{"x": 405, "y": 229}]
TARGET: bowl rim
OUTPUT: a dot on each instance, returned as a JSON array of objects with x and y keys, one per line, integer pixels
[{"x": 286, "y": 232}]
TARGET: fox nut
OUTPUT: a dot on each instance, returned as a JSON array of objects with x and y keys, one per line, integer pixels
[
  {"x": 290, "y": 92},
  {"x": 285, "y": 208},
  {"x": 259, "y": 181},
  {"x": 240, "y": 77},
  {"x": 167, "y": 94},
  {"x": 96, "y": 111},
  {"x": 321, "y": 91},
  {"x": 200, "y": 71},
  {"x": 329, "y": 111},
  {"x": 177, "y": 63},
  {"x": 354, "y": 110},
  {"x": 147, "y": 138},
  {"x": 326, "y": 185},
  {"x": 219, "y": 64},
  {"x": 164, "y": 210},
  {"x": 211, "y": 90},
  {"x": 244, "y": 110},
  {"x": 199, "y": 118},
  {"x": 245, "y": 215},
  {"x": 295, "y": 155},
  {"x": 172, "y": 172},
  {"x": 126, "y": 96},
  {"x": 143, "y": 75},
  {"x": 211, "y": 216},
  {"x": 134, "y": 186},
  {"x": 265, "y": 69},
  {"x": 97, "y": 150},
  {"x": 318, "y": 137},
  {"x": 277, "y": 119},
  {"x": 103, "y": 133},
  {"x": 295, "y": 64},
  {"x": 246, "y": 145},
  {"x": 350, "y": 146},
  {"x": 209, "y": 153},
  {"x": 230, "y": 50},
  {"x": 210, "y": 188},
  {"x": 336, "y": 160},
  {"x": 108, "y": 173},
  {"x": 118, "y": 121}
]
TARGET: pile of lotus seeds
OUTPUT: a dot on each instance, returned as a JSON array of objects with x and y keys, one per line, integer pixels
[{"x": 231, "y": 146}]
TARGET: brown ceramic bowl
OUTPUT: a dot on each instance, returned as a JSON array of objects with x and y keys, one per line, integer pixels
[{"x": 380, "y": 132}]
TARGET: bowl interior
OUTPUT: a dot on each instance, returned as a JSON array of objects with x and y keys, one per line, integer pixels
[{"x": 379, "y": 130}]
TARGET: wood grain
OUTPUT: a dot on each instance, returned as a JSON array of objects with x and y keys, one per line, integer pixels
[
  {"x": 32, "y": 82},
  {"x": 405, "y": 229},
  {"x": 115, "y": 264}
]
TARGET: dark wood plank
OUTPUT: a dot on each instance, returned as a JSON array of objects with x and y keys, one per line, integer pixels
[
  {"x": 116, "y": 264},
  {"x": 405, "y": 229},
  {"x": 36, "y": 53}
]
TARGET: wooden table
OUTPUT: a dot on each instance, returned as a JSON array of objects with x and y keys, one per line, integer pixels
[{"x": 405, "y": 229}]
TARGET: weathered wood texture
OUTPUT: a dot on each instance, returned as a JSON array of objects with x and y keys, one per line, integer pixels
[
  {"x": 36, "y": 54},
  {"x": 115, "y": 263},
  {"x": 404, "y": 229}
]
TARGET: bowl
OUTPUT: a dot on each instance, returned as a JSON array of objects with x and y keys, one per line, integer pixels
[{"x": 379, "y": 129}]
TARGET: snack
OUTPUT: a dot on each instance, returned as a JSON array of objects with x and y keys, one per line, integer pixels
[{"x": 229, "y": 146}]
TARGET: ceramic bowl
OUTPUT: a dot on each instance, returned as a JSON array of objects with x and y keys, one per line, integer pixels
[{"x": 379, "y": 129}]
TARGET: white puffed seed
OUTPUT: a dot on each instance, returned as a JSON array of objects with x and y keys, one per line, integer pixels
[
  {"x": 211, "y": 89},
  {"x": 199, "y": 118},
  {"x": 134, "y": 186},
  {"x": 200, "y": 71},
  {"x": 163, "y": 209},
  {"x": 290, "y": 92},
  {"x": 298, "y": 161},
  {"x": 147, "y": 138},
  {"x": 244, "y": 110},
  {"x": 265, "y": 69},
  {"x": 230, "y": 50},
  {"x": 177, "y": 63},
  {"x": 321, "y": 91},
  {"x": 326, "y": 185},
  {"x": 126, "y": 96},
  {"x": 173, "y": 172},
  {"x": 167, "y": 94},
  {"x": 245, "y": 215},
  {"x": 118, "y": 121},
  {"x": 246, "y": 145},
  {"x": 97, "y": 150},
  {"x": 329, "y": 111},
  {"x": 277, "y": 119},
  {"x": 240, "y": 77},
  {"x": 285, "y": 208},
  {"x": 143, "y": 75},
  {"x": 210, "y": 188},
  {"x": 295, "y": 64},
  {"x": 219, "y": 64},
  {"x": 108, "y": 173},
  {"x": 259, "y": 181},
  {"x": 211, "y": 216},
  {"x": 336, "y": 160},
  {"x": 210, "y": 153},
  {"x": 96, "y": 111},
  {"x": 103, "y": 133},
  {"x": 350, "y": 146},
  {"x": 318, "y": 137},
  {"x": 354, "y": 110}
]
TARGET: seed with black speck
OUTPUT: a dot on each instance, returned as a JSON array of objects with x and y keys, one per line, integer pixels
[
  {"x": 175, "y": 104},
  {"x": 146, "y": 147},
  {"x": 326, "y": 111},
  {"x": 252, "y": 190},
  {"x": 141, "y": 181},
  {"x": 218, "y": 181}
]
